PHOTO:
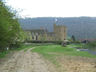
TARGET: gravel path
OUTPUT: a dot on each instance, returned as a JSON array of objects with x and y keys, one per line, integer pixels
[{"x": 25, "y": 62}]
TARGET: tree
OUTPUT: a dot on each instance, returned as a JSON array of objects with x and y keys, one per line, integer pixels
[
  {"x": 73, "y": 38},
  {"x": 9, "y": 27}
]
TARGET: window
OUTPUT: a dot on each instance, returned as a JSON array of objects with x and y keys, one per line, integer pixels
[{"x": 32, "y": 37}]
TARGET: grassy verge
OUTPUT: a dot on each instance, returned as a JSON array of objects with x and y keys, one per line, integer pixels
[
  {"x": 25, "y": 47},
  {"x": 49, "y": 49},
  {"x": 3, "y": 54}
]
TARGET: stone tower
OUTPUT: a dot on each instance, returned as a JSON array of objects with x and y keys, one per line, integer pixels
[{"x": 60, "y": 32}]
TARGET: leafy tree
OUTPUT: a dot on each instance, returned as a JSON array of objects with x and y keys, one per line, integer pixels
[
  {"x": 73, "y": 38},
  {"x": 9, "y": 27}
]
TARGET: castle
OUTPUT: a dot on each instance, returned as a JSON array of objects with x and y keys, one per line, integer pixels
[{"x": 59, "y": 34}]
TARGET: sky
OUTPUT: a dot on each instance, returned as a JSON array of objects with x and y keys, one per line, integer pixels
[{"x": 54, "y": 8}]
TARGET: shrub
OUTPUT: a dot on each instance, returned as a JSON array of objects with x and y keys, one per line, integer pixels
[{"x": 90, "y": 45}]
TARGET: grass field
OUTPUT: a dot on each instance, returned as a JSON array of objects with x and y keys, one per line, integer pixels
[{"x": 58, "y": 50}]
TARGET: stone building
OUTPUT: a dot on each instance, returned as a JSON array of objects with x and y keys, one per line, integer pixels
[{"x": 58, "y": 34}]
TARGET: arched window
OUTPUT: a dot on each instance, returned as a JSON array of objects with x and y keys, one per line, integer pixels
[
  {"x": 32, "y": 36},
  {"x": 36, "y": 36}
]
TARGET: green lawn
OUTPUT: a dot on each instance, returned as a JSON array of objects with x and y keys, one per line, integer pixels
[{"x": 68, "y": 50}]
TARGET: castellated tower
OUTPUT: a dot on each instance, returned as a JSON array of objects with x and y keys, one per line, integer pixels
[{"x": 60, "y": 32}]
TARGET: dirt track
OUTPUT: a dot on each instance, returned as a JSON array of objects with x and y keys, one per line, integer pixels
[{"x": 26, "y": 62}]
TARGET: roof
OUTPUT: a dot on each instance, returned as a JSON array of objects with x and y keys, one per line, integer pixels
[{"x": 37, "y": 30}]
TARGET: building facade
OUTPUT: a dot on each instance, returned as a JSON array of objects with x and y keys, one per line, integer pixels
[{"x": 59, "y": 34}]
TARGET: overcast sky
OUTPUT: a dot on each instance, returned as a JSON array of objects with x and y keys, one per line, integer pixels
[{"x": 54, "y": 8}]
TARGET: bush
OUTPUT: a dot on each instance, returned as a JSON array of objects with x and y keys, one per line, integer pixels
[
  {"x": 16, "y": 45},
  {"x": 90, "y": 45}
]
